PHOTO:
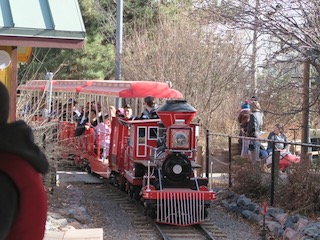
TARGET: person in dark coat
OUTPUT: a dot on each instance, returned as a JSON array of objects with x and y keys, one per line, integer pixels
[
  {"x": 243, "y": 120},
  {"x": 150, "y": 108},
  {"x": 255, "y": 129},
  {"x": 23, "y": 200}
]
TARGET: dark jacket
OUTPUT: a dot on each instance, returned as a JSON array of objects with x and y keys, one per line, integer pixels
[
  {"x": 254, "y": 128},
  {"x": 21, "y": 163},
  {"x": 152, "y": 114},
  {"x": 244, "y": 117},
  {"x": 279, "y": 145}
]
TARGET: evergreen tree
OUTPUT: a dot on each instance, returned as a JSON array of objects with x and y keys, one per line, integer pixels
[{"x": 97, "y": 59}]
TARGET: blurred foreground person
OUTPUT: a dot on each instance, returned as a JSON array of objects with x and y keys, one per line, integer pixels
[{"x": 23, "y": 200}]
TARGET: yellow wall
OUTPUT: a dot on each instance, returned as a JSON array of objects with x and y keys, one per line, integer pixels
[
  {"x": 6, "y": 74},
  {"x": 9, "y": 75}
]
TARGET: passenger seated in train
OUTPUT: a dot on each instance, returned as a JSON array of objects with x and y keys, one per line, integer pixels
[
  {"x": 70, "y": 113},
  {"x": 32, "y": 107},
  {"x": 87, "y": 121},
  {"x": 128, "y": 112},
  {"x": 82, "y": 120},
  {"x": 120, "y": 112},
  {"x": 92, "y": 119},
  {"x": 97, "y": 107},
  {"x": 112, "y": 112},
  {"x": 102, "y": 135},
  {"x": 150, "y": 108}
]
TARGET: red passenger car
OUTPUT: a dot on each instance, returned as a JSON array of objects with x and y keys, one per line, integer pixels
[{"x": 153, "y": 160}]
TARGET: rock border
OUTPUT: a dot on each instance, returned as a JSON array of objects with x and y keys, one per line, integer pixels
[{"x": 278, "y": 223}]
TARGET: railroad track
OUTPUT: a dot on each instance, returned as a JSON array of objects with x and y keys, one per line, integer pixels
[
  {"x": 206, "y": 231},
  {"x": 144, "y": 226},
  {"x": 148, "y": 229}
]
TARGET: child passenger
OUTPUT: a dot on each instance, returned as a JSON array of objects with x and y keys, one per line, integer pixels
[
  {"x": 128, "y": 112},
  {"x": 103, "y": 131}
]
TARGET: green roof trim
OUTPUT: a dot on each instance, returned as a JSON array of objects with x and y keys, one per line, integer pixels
[{"x": 53, "y": 19}]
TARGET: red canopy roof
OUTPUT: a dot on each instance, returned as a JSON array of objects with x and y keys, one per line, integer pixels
[
  {"x": 116, "y": 88},
  {"x": 57, "y": 85},
  {"x": 34, "y": 85},
  {"x": 68, "y": 85}
]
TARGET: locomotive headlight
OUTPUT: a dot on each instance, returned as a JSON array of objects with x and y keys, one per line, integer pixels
[{"x": 180, "y": 139}]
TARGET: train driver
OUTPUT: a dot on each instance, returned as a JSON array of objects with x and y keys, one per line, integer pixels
[{"x": 150, "y": 108}]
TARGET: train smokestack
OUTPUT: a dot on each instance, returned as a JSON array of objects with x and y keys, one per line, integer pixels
[{"x": 176, "y": 111}]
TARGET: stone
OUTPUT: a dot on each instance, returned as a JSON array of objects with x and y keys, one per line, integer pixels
[{"x": 290, "y": 234}]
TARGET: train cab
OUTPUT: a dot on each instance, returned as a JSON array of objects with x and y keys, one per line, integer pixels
[{"x": 132, "y": 142}]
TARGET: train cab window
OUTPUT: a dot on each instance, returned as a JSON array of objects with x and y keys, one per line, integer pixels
[
  {"x": 153, "y": 133},
  {"x": 142, "y": 135}
]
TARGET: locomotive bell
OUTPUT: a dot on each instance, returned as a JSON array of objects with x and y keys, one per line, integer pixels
[{"x": 174, "y": 111}]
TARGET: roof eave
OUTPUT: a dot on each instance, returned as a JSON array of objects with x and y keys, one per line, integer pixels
[
  {"x": 41, "y": 42},
  {"x": 41, "y": 33}
]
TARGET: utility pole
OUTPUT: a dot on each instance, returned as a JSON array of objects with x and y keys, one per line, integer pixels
[
  {"x": 49, "y": 77},
  {"x": 119, "y": 46},
  {"x": 305, "y": 135},
  {"x": 254, "y": 48}
]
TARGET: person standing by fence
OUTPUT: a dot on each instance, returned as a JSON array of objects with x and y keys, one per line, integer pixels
[
  {"x": 255, "y": 129},
  {"x": 243, "y": 119}
]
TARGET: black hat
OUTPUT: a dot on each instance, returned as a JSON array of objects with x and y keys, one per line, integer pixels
[
  {"x": 254, "y": 98},
  {"x": 70, "y": 101}
]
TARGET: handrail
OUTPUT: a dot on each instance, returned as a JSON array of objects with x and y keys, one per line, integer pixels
[{"x": 264, "y": 140}]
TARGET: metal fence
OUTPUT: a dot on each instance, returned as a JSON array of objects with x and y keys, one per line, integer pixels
[{"x": 229, "y": 144}]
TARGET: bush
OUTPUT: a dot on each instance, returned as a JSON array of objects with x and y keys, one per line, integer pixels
[
  {"x": 301, "y": 192},
  {"x": 248, "y": 179}
]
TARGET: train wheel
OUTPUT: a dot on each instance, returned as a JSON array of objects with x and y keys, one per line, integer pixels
[
  {"x": 122, "y": 185},
  {"x": 150, "y": 212},
  {"x": 131, "y": 191},
  {"x": 114, "y": 179},
  {"x": 88, "y": 169},
  {"x": 86, "y": 166},
  {"x": 134, "y": 192}
]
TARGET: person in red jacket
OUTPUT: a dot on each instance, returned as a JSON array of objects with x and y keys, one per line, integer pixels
[{"x": 23, "y": 200}]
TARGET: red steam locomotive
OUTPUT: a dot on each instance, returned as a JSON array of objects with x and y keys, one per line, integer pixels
[{"x": 153, "y": 160}]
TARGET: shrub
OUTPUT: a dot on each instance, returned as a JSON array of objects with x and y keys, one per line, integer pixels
[
  {"x": 301, "y": 191},
  {"x": 248, "y": 179}
]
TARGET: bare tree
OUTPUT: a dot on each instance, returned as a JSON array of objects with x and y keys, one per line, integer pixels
[
  {"x": 285, "y": 33},
  {"x": 293, "y": 25},
  {"x": 206, "y": 64}
]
